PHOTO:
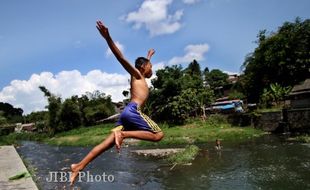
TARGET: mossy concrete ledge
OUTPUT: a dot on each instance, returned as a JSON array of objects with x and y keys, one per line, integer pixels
[
  {"x": 158, "y": 152},
  {"x": 12, "y": 165}
]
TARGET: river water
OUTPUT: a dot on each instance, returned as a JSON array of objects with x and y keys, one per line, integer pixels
[{"x": 268, "y": 162}]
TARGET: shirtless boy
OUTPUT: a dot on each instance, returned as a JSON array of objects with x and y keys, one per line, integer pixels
[{"x": 132, "y": 122}]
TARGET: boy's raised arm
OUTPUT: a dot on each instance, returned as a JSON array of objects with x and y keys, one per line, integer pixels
[
  {"x": 150, "y": 53},
  {"x": 118, "y": 54}
]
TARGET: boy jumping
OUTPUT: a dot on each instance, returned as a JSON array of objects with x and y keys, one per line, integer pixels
[{"x": 132, "y": 122}]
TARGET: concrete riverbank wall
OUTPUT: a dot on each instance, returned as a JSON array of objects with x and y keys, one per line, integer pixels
[{"x": 287, "y": 120}]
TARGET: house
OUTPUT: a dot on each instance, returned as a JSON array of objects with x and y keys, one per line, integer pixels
[
  {"x": 233, "y": 78},
  {"x": 226, "y": 89},
  {"x": 29, "y": 127},
  {"x": 300, "y": 95}
]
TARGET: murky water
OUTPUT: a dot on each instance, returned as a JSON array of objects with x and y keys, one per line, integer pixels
[{"x": 264, "y": 163}]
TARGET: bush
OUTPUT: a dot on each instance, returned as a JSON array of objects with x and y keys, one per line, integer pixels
[
  {"x": 14, "y": 137},
  {"x": 6, "y": 129},
  {"x": 216, "y": 120},
  {"x": 185, "y": 156}
]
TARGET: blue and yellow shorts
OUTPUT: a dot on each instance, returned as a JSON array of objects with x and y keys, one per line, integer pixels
[{"x": 132, "y": 119}]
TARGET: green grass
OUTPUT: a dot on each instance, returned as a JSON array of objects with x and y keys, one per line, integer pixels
[
  {"x": 302, "y": 139},
  {"x": 20, "y": 175},
  {"x": 192, "y": 132},
  {"x": 184, "y": 157},
  {"x": 13, "y": 138},
  {"x": 83, "y": 136},
  {"x": 198, "y": 132},
  {"x": 31, "y": 170}
]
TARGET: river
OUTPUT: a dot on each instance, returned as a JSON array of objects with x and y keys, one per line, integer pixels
[{"x": 268, "y": 162}]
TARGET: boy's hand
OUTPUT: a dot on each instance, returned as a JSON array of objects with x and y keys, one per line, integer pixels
[
  {"x": 102, "y": 29},
  {"x": 150, "y": 53}
]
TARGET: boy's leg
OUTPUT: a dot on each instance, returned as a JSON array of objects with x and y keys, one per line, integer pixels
[
  {"x": 96, "y": 151},
  {"x": 143, "y": 135}
]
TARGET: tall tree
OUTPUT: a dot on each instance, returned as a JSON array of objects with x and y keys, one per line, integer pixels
[
  {"x": 96, "y": 106},
  {"x": 216, "y": 78},
  {"x": 178, "y": 94},
  {"x": 3, "y": 120},
  {"x": 54, "y": 105},
  {"x": 281, "y": 57},
  {"x": 193, "y": 68},
  {"x": 11, "y": 114},
  {"x": 70, "y": 114}
]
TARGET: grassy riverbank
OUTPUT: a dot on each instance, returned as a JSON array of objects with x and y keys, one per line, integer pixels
[
  {"x": 194, "y": 131},
  {"x": 13, "y": 138}
]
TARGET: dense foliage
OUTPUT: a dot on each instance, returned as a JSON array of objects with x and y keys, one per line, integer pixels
[
  {"x": 9, "y": 114},
  {"x": 76, "y": 111},
  {"x": 281, "y": 57},
  {"x": 274, "y": 94},
  {"x": 216, "y": 78},
  {"x": 178, "y": 94}
]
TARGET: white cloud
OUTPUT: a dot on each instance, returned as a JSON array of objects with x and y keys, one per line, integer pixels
[
  {"x": 231, "y": 73},
  {"x": 191, "y": 52},
  {"x": 120, "y": 47},
  {"x": 158, "y": 66},
  {"x": 26, "y": 94},
  {"x": 153, "y": 14},
  {"x": 190, "y": 1}
]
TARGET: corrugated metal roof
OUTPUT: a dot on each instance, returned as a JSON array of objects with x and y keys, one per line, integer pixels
[{"x": 305, "y": 86}]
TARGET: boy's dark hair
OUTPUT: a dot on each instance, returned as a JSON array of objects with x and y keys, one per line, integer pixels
[{"x": 140, "y": 61}]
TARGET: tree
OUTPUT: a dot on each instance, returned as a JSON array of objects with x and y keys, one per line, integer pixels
[
  {"x": 70, "y": 114},
  {"x": 2, "y": 118},
  {"x": 193, "y": 68},
  {"x": 205, "y": 96},
  {"x": 54, "y": 105},
  {"x": 166, "y": 85},
  {"x": 216, "y": 78},
  {"x": 181, "y": 106},
  {"x": 178, "y": 94},
  {"x": 83, "y": 103},
  {"x": 125, "y": 93},
  {"x": 96, "y": 107},
  {"x": 274, "y": 94},
  {"x": 39, "y": 116},
  {"x": 76, "y": 111},
  {"x": 11, "y": 114},
  {"x": 281, "y": 57}
]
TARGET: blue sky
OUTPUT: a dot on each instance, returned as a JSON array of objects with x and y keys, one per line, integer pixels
[{"x": 56, "y": 44}]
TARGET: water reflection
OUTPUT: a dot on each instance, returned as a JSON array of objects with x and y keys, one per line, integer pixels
[{"x": 264, "y": 163}]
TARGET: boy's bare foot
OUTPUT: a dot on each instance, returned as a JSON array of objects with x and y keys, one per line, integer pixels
[
  {"x": 75, "y": 172},
  {"x": 118, "y": 139}
]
